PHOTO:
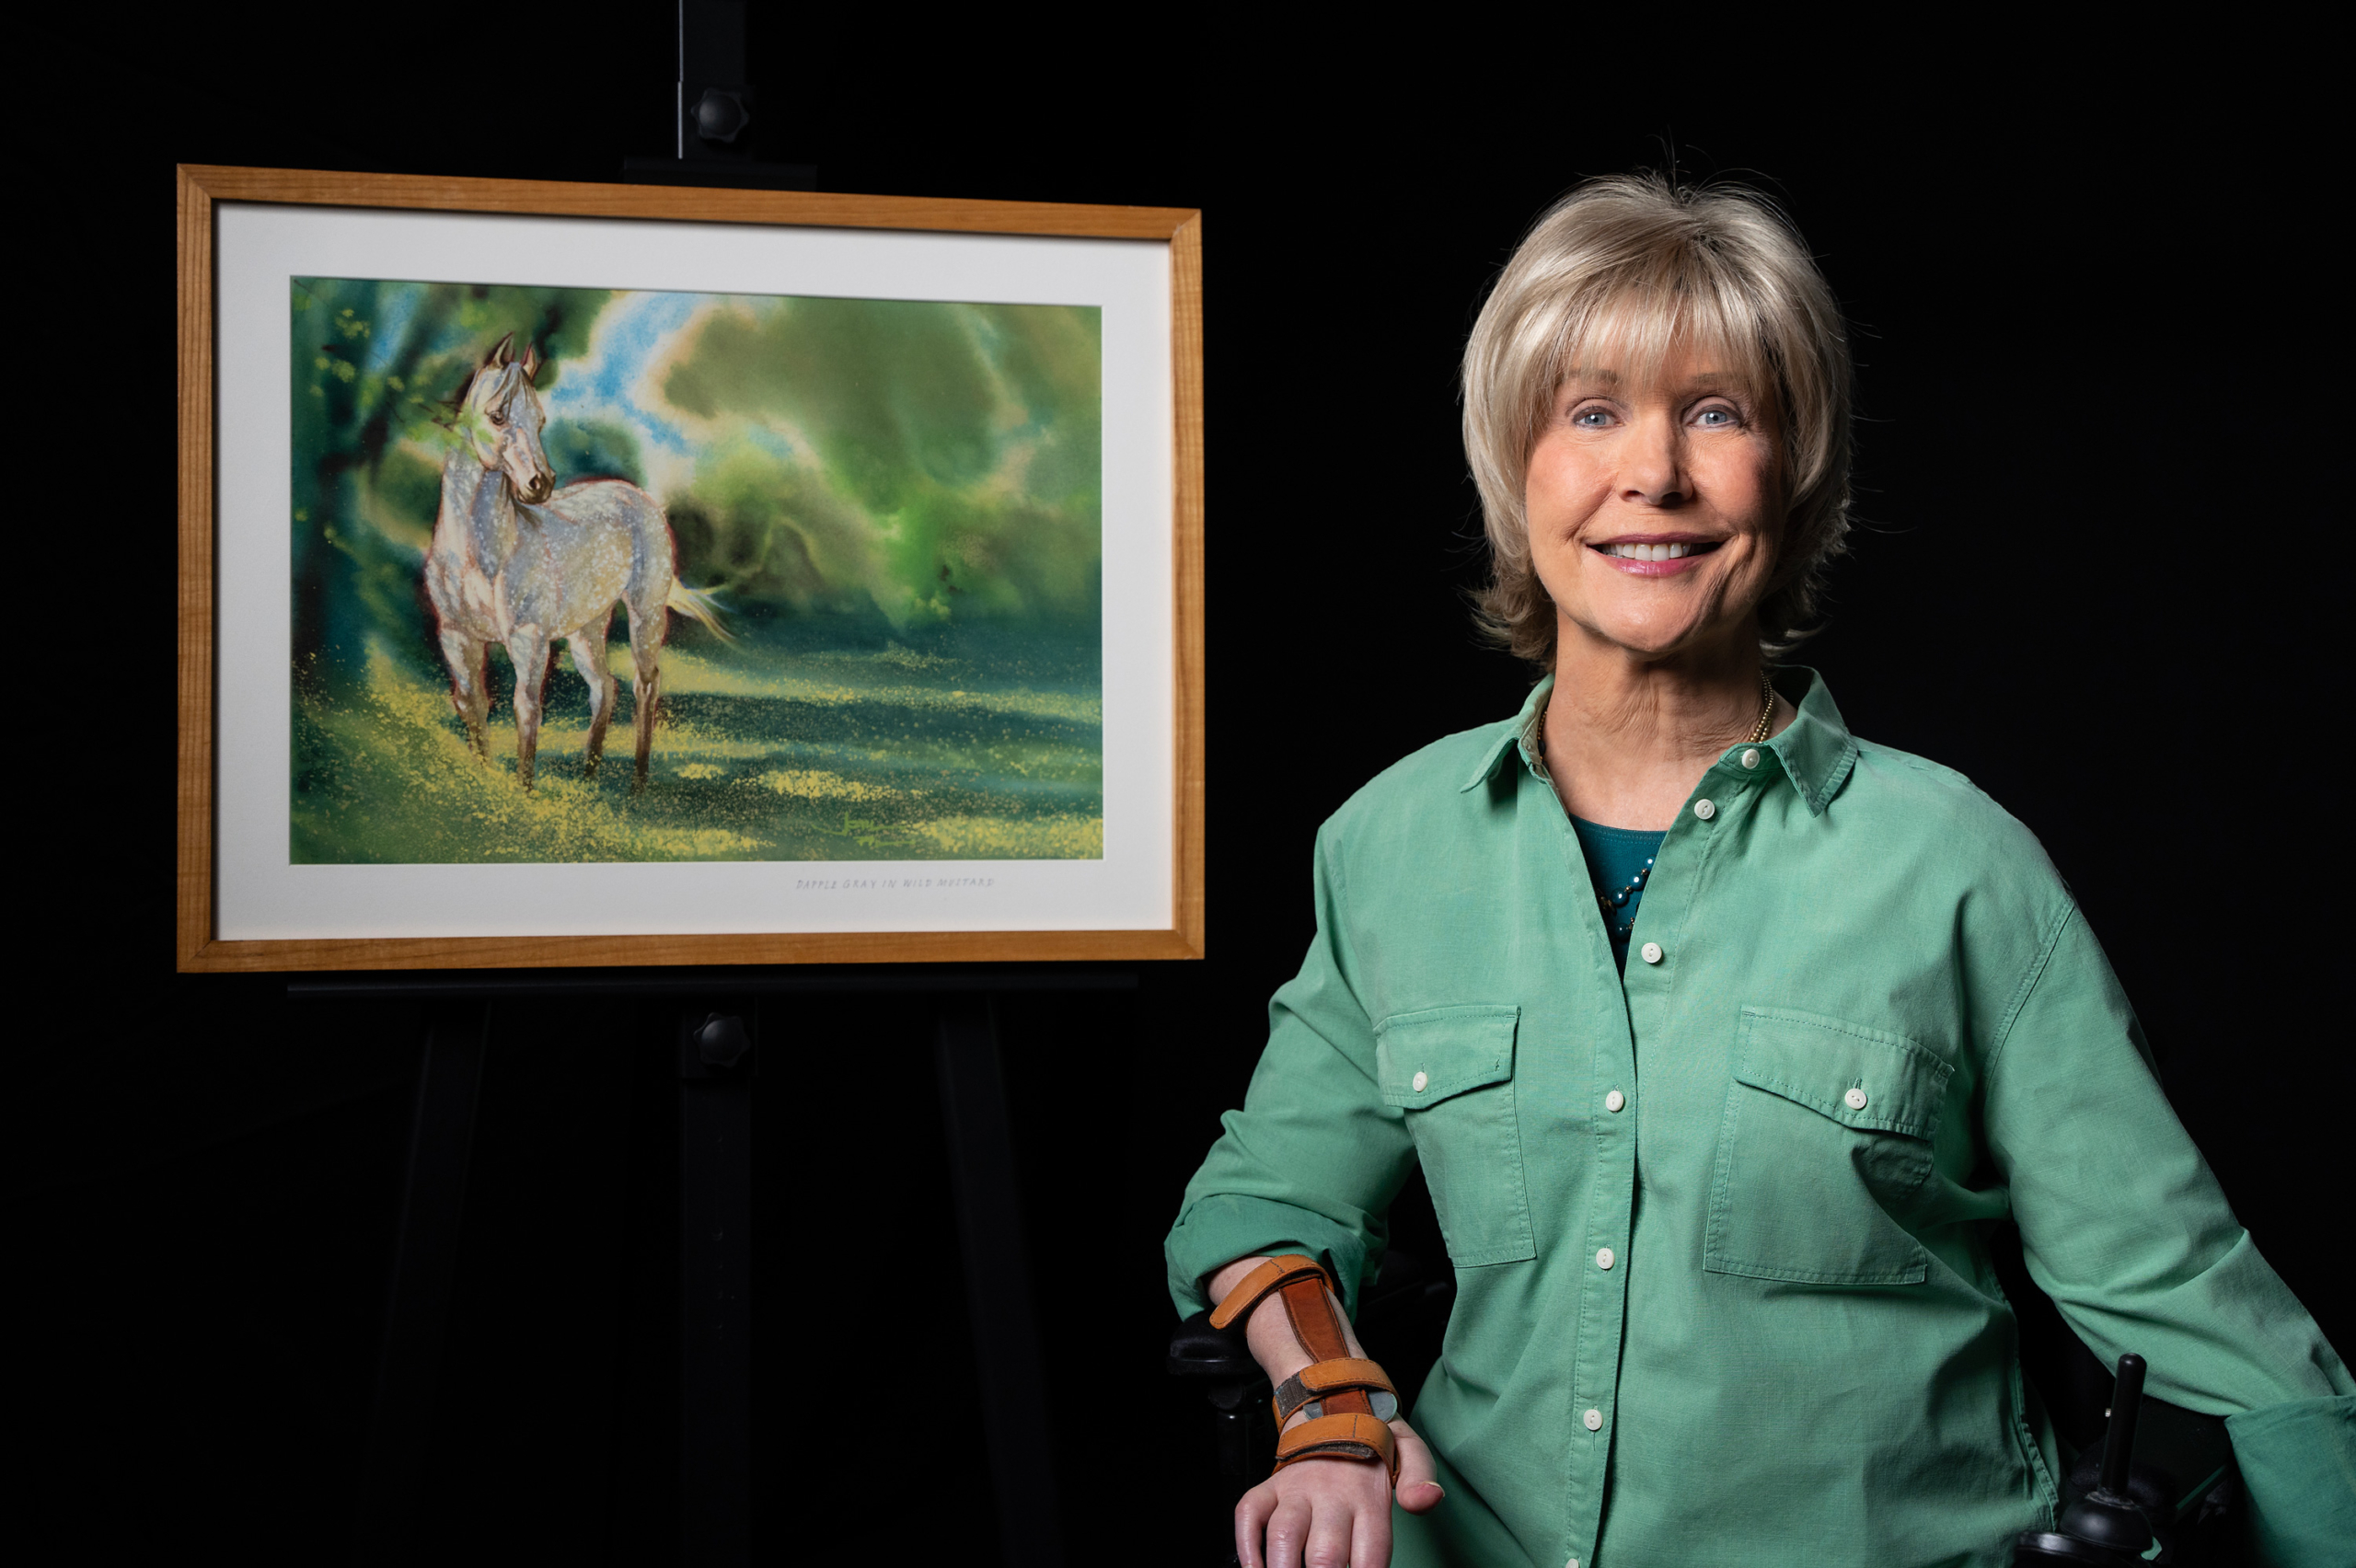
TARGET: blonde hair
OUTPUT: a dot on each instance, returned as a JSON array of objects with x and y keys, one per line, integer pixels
[{"x": 1620, "y": 272}]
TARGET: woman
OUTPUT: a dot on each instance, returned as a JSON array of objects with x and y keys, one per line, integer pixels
[{"x": 1725, "y": 1039}]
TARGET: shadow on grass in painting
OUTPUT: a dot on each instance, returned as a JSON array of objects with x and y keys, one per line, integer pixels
[{"x": 771, "y": 756}]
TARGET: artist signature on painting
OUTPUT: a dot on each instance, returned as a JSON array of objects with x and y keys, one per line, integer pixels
[{"x": 907, "y": 885}]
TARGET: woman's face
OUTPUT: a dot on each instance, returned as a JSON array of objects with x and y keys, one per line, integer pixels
[{"x": 1654, "y": 510}]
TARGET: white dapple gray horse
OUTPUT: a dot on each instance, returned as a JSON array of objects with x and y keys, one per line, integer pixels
[{"x": 519, "y": 563}]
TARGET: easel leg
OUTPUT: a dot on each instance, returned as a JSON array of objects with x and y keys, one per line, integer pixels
[
  {"x": 998, "y": 1281},
  {"x": 424, "y": 1260},
  {"x": 715, "y": 1297}
]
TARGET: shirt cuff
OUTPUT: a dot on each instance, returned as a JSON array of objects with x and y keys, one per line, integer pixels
[
  {"x": 1218, "y": 1230},
  {"x": 2298, "y": 1465}
]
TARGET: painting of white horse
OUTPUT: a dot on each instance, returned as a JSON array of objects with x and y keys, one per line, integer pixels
[
  {"x": 518, "y": 562},
  {"x": 855, "y": 547}
]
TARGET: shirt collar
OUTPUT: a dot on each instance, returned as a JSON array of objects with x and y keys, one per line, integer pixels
[{"x": 1814, "y": 749}]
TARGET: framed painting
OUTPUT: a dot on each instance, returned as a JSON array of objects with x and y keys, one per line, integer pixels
[{"x": 618, "y": 575}]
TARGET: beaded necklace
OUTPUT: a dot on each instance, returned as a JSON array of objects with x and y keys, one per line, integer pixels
[{"x": 1614, "y": 902}]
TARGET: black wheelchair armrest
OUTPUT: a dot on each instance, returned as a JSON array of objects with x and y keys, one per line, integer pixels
[
  {"x": 1197, "y": 1350},
  {"x": 1220, "y": 1362}
]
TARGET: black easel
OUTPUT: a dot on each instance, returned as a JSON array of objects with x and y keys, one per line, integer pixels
[
  {"x": 717, "y": 1059},
  {"x": 417, "y": 1306},
  {"x": 997, "y": 1279},
  {"x": 717, "y": 140},
  {"x": 720, "y": 123},
  {"x": 720, "y": 1038}
]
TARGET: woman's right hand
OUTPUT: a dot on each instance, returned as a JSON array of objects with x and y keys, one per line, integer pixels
[
  {"x": 1332, "y": 1513},
  {"x": 1328, "y": 1512}
]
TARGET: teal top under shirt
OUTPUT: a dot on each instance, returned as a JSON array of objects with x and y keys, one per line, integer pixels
[{"x": 1618, "y": 859}]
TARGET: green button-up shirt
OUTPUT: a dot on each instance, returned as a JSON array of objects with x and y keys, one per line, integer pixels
[{"x": 1721, "y": 1231}]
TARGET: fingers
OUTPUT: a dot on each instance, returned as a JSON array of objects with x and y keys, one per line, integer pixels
[
  {"x": 1329, "y": 1541},
  {"x": 1319, "y": 1514},
  {"x": 1252, "y": 1511},
  {"x": 1291, "y": 1528},
  {"x": 1369, "y": 1547},
  {"x": 1419, "y": 1488}
]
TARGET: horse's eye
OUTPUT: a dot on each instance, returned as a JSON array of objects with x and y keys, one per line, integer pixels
[{"x": 497, "y": 418}]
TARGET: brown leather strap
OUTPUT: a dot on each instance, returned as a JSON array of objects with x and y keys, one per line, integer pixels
[
  {"x": 1349, "y": 1372},
  {"x": 1316, "y": 1319},
  {"x": 1320, "y": 1378},
  {"x": 1347, "y": 1427},
  {"x": 1340, "y": 1437},
  {"x": 1254, "y": 1287}
]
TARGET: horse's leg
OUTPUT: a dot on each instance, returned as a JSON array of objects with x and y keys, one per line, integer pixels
[
  {"x": 589, "y": 658},
  {"x": 527, "y": 649},
  {"x": 469, "y": 689},
  {"x": 646, "y": 658}
]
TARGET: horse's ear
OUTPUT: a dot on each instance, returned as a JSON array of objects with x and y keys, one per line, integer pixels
[
  {"x": 503, "y": 354},
  {"x": 531, "y": 362}
]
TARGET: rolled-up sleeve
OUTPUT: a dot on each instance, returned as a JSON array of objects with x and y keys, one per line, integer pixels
[
  {"x": 2125, "y": 1227},
  {"x": 1313, "y": 1159}
]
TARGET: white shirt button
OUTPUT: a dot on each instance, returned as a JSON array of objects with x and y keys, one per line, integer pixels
[
  {"x": 1649, "y": 952},
  {"x": 1855, "y": 1100},
  {"x": 1418, "y": 1082},
  {"x": 1603, "y": 1257},
  {"x": 1750, "y": 757},
  {"x": 1593, "y": 1421},
  {"x": 1704, "y": 810},
  {"x": 1615, "y": 1100}
]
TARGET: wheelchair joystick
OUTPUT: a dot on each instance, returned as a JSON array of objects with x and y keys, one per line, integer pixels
[{"x": 2105, "y": 1527}]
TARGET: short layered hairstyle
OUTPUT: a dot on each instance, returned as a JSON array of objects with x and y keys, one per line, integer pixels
[{"x": 1619, "y": 272}]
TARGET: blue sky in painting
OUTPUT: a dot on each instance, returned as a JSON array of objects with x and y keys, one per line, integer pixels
[{"x": 632, "y": 334}]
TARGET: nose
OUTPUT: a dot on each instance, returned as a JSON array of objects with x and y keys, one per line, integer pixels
[{"x": 1655, "y": 470}]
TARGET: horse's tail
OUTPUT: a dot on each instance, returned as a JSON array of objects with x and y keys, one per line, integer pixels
[{"x": 695, "y": 604}]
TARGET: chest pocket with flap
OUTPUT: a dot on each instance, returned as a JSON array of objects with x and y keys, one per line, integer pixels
[
  {"x": 1451, "y": 1069},
  {"x": 1826, "y": 1138}
]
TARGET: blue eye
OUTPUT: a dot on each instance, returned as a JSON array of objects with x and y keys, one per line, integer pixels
[
  {"x": 1591, "y": 419},
  {"x": 1715, "y": 419}
]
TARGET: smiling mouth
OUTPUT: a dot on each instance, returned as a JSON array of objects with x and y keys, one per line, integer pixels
[{"x": 1627, "y": 551}]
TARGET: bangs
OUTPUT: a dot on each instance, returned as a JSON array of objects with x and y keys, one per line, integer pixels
[
  {"x": 1629, "y": 327},
  {"x": 1631, "y": 333}
]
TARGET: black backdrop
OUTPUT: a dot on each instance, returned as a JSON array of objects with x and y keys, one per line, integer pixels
[{"x": 2101, "y": 572}]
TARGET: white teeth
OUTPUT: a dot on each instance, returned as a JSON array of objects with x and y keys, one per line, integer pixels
[{"x": 1649, "y": 552}]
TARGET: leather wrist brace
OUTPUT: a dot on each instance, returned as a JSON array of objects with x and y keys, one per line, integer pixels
[{"x": 1349, "y": 1400}]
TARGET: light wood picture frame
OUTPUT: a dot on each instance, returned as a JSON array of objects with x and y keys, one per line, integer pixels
[{"x": 244, "y": 904}]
